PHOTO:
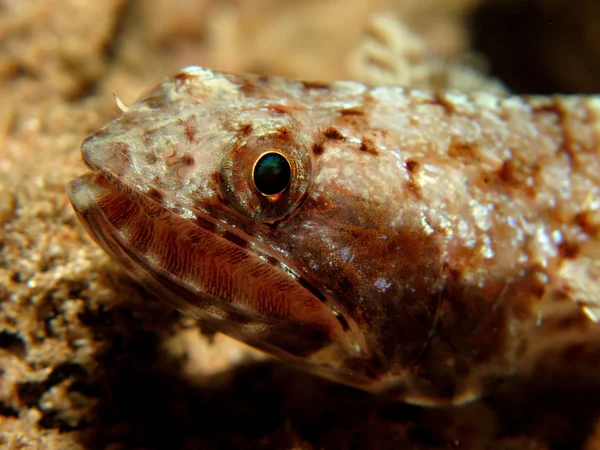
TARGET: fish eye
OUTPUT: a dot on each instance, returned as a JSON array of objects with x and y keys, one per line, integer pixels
[
  {"x": 272, "y": 173},
  {"x": 266, "y": 175}
]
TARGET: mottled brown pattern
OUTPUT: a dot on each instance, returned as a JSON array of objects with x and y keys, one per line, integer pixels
[
  {"x": 284, "y": 134},
  {"x": 441, "y": 100},
  {"x": 246, "y": 129},
  {"x": 315, "y": 85},
  {"x": 181, "y": 78},
  {"x": 555, "y": 108},
  {"x": 429, "y": 245},
  {"x": 151, "y": 158},
  {"x": 352, "y": 112},
  {"x": 121, "y": 151},
  {"x": 333, "y": 134},
  {"x": 412, "y": 165},
  {"x": 279, "y": 109},
  {"x": 368, "y": 146},
  {"x": 508, "y": 173},
  {"x": 154, "y": 102},
  {"x": 317, "y": 149},
  {"x": 569, "y": 250},
  {"x": 189, "y": 129},
  {"x": 588, "y": 226},
  {"x": 155, "y": 195},
  {"x": 413, "y": 188},
  {"x": 462, "y": 150},
  {"x": 176, "y": 161}
]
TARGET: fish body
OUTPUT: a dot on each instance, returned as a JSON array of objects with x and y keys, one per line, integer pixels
[{"x": 423, "y": 245}]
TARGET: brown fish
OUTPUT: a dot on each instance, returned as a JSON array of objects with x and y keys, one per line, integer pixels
[{"x": 425, "y": 245}]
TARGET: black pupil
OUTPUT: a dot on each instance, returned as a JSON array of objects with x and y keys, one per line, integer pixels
[{"x": 272, "y": 174}]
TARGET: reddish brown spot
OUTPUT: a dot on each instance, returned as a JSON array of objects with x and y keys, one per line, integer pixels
[
  {"x": 486, "y": 179},
  {"x": 253, "y": 85},
  {"x": 556, "y": 109},
  {"x": 283, "y": 133},
  {"x": 148, "y": 135},
  {"x": 353, "y": 122},
  {"x": 246, "y": 129},
  {"x": 155, "y": 195},
  {"x": 545, "y": 108},
  {"x": 585, "y": 223},
  {"x": 154, "y": 102},
  {"x": 530, "y": 191},
  {"x": 321, "y": 205},
  {"x": 569, "y": 250},
  {"x": 279, "y": 109},
  {"x": 413, "y": 188},
  {"x": 508, "y": 172},
  {"x": 190, "y": 129},
  {"x": 317, "y": 149},
  {"x": 352, "y": 112},
  {"x": 187, "y": 159},
  {"x": 448, "y": 106},
  {"x": 182, "y": 77},
  {"x": 315, "y": 85},
  {"x": 121, "y": 151},
  {"x": 368, "y": 146},
  {"x": 217, "y": 181},
  {"x": 411, "y": 165},
  {"x": 333, "y": 134},
  {"x": 174, "y": 159},
  {"x": 248, "y": 87},
  {"x": 150, "y": 158},
  {"x": 462, "y": 150}
]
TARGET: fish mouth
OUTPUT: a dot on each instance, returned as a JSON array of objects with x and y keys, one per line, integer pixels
[{"x": 219, "y": 280}]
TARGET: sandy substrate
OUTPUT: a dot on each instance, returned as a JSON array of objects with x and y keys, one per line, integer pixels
[{"x": 87, "y": 358}]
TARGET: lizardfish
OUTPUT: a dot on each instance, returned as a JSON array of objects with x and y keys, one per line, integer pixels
[{"x": 426, "y": 245}]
